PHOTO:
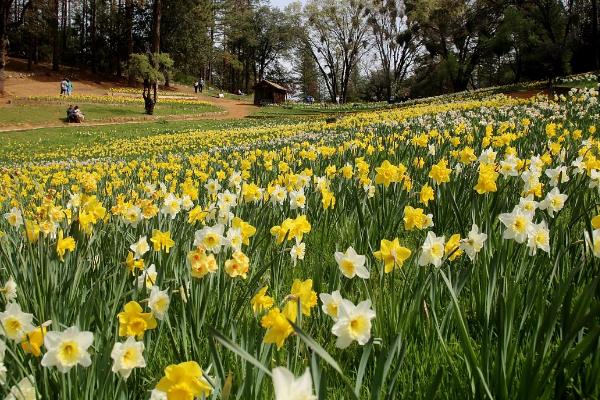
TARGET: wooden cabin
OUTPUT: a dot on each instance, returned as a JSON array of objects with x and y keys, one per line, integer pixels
[{"x": 267, "y": 92}]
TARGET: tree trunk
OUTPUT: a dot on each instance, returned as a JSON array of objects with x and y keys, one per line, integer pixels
[
  {"x": 93, "y": 34},
  {"x": 31, "y": 51},
  {"x": 209, "y": 78},
  {"x": 157, "y": 11},
  {"x": 56, "y": 36},
  {"x": 595, "y": 39},
  {"x": 65, "y": 18},
  {"x": 3, "y": 51},
  {"x": 129, "y": 34},
  {"x": 82, "y": 34},
  {"x": 4, "y": 10}
]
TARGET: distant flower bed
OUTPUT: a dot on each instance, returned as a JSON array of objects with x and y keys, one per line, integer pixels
[
  {"x": 580, "y": 78},
  {"x": 117, "y": 100},
  {"x": 128, "y": 90}
]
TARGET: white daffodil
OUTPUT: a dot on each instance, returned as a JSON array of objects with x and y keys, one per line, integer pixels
[
  {"x": 159, "y": 302},
  {"x": 212, "y": 186},
  {"x": 23, "y": 390},
  {"x": 15, "y": 323},
  {"x": 488, "y": 156},
  {"x": 508, "y": 166},
  {"x": 473, "y": 243},
  {"x": 538, "y": 238},
  {"x": 226, "y": 200},
  {"x": 536, "y": 164},
  {"x": 14, "y": 217},
  {"x": 432, "y": 250},
  {"x": 2, "y": 366},
  {"x": 530, "y": 179},
  {"x": 67, "y": 349},
  {"x": 171, "y": 205},
  {"x": 211, "y": 237},
  {"x": 594, "y": 179},
  {"x": 149, "y": 189},
  {"x": 553, "y": 202},
  {"x": 288, "y": 387},
  {"x": 132, "y": 216},
  {"x": 9, "y": 290},
  {"x": 353, "y": 324},
  {"x": 331, "y": 303},
  {"x": 235, "y": 238},
  {"x": 297, "y": 252},
  {"x": 594, "y": 242},
  {"x": 235, "y": 179},
  {"x": 156, "y": 394},
  {"x": 297, "y": 199},
  {"x": 74, "y": 201},
  {"x": 351, "y": 264},
  {"x": 557, "y": 175},
  {"x": 517, "y": 225},
  {"x": 140, "y": 247},
  {"x": 147, "y": 278},
  {"x": 528, "y": 205},
  {"x": 127, "y": 356},
  {"x": 579, "y": 165},
  {"x": 186, "y": 202},
  {"x": 278, "y": 195}
]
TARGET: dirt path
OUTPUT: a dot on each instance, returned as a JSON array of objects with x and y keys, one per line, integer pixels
[{"x": 43, "y": 82}]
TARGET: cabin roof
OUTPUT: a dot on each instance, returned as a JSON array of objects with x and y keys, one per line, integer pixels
[{"x": 274, "y": 85}]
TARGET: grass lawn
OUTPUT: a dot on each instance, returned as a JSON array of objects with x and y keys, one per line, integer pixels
[
  {"x": 214, "y": 92},
  {"x": 28, "y": 112},
  {"x": 295, "y": 110},
  {"x": 72, "y": 135}
]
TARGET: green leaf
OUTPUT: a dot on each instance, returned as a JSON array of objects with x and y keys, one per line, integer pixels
[{"x": 225, "y": 341}]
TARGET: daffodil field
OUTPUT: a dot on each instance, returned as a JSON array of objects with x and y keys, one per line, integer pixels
[{"x": 445, "y": 249}]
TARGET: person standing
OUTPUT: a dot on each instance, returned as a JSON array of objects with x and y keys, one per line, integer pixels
[
  {"x": 201, "y": 84},
  {"x": 63, "y": 86},
  {"x": 69, "y": 87},
  {"x": 196, "y": 87}
]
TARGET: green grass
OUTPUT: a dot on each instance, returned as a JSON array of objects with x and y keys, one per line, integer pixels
[
  {"x": 71, "y": 135},
  {"x": 326, "y": 109},
  {"x": 34, "y": 113},
  {"x": 214, "y": 92}
]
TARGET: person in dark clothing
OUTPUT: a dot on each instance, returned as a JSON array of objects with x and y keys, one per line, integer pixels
[{"x": 70, "y": 114}]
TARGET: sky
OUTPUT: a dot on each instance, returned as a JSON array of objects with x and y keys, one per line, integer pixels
[{"x": 282, "y": 3}]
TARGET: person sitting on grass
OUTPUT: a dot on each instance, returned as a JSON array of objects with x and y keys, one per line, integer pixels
[
  {"x": 70, "y": 114},
  {"x": 79, "y": 117},
  {"x": 76, "y": 115}
]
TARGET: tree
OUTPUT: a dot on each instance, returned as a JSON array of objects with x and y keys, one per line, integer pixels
[
  {"x": 456, "y": 33},
  {"x": 395, "y": 41},
  {"x": 55, "y": 35},
  {"x": 336, "y": 34},
  {"x": 273, "y": 36},
  {"x": 186, "y": 25},
  {"x": 150, "y": 69},
  {"x": 156, "y": 16},
  {"x": 307, "y": 72},
  {"x": 5, "y": 12}
]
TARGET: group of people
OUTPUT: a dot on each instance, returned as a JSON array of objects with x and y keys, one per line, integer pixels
[
  {"x": 66, "y": 87},
  {"x": 74, "y": 114},
  {"x": 199, "y": 85}
]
